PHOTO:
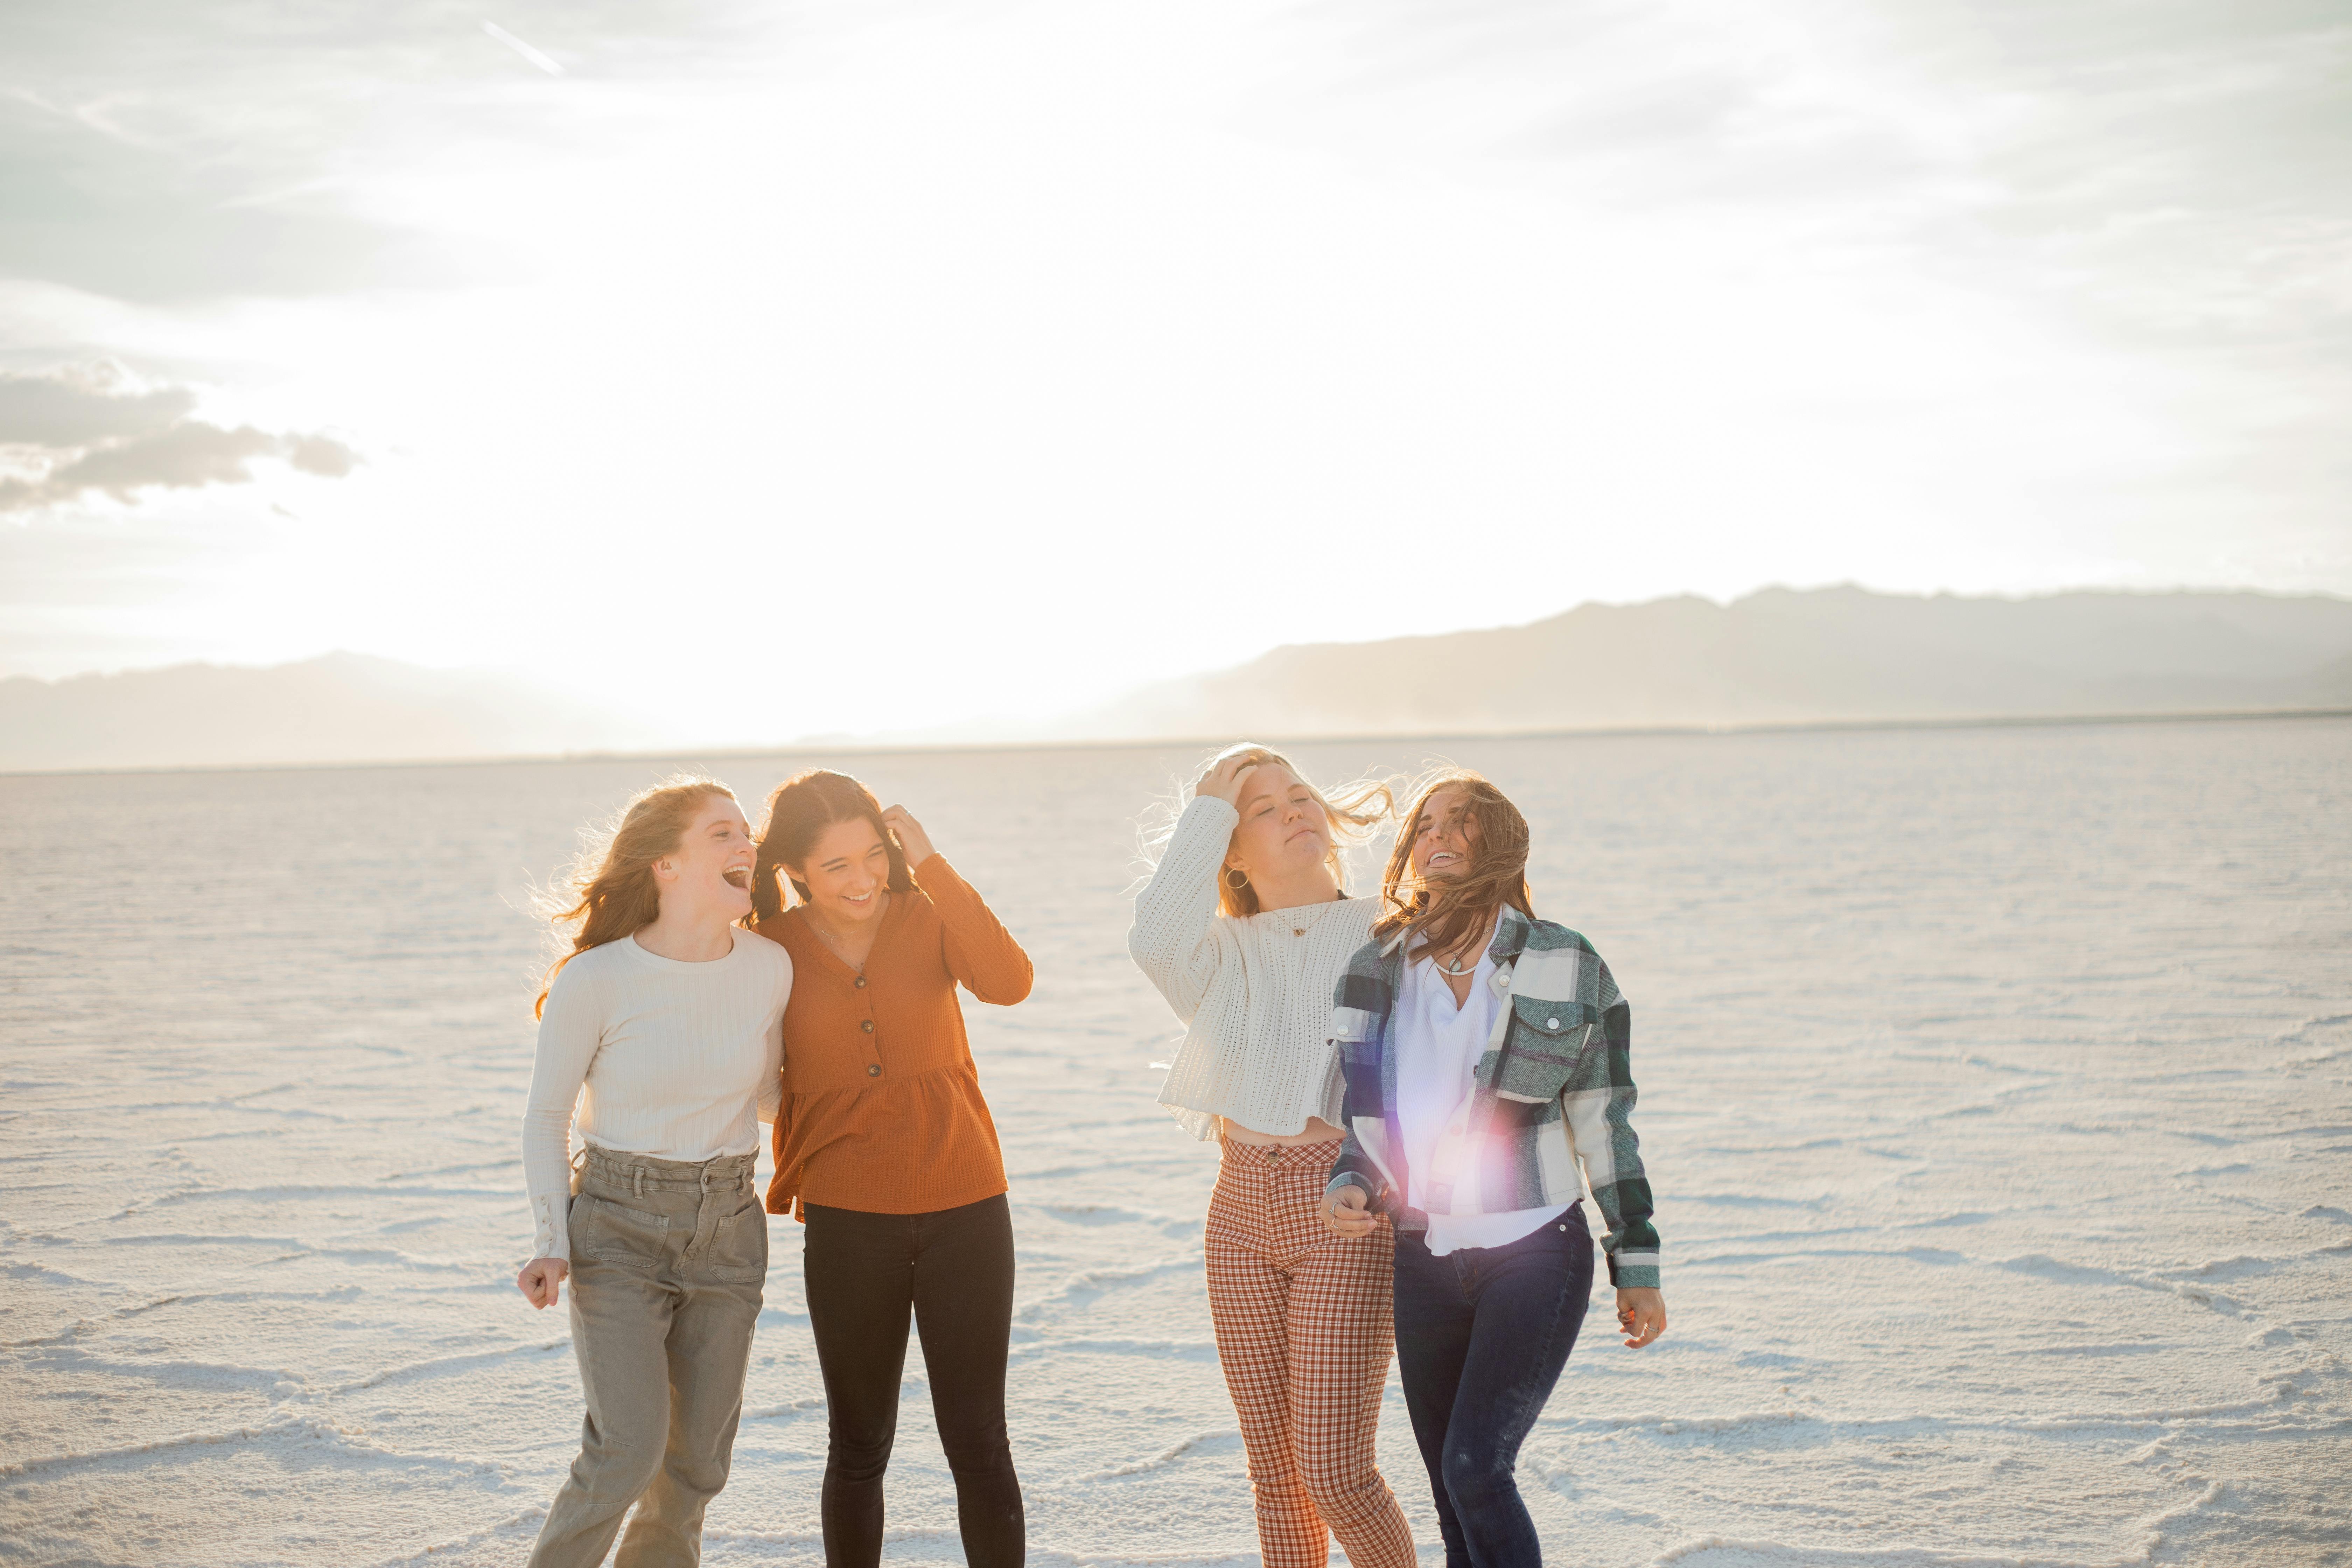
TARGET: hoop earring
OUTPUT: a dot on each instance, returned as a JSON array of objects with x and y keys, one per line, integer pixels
[{"x": 1232, "y": 872}]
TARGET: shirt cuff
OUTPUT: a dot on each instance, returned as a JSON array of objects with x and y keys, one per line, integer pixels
[
  {"x": 551, "y": 1237},
  {"x": 1633, "y": 1270}
]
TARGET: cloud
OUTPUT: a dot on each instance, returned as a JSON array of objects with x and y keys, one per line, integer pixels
[
  {"x": 89, "y": 430},
  {"x": 2169, "y": 171},
  {"x": 320, "y": 455},
  {"x": 179, "y": 151},
  {"x": 82, "y": 406},
  {"x": 153, "y": 223}
]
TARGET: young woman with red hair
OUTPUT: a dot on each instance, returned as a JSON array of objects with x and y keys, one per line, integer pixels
[{"x": 659, "y": 1030}]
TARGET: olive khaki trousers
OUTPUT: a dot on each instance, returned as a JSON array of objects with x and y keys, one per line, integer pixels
[{"x": 666, "y": 1263}]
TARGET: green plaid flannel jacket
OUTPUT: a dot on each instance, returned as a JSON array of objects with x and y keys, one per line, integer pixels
[{"x": 1554, "y": 1088}]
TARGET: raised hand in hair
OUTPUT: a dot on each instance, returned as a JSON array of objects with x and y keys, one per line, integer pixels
[
  {"x": 1224, "y": 780},
  {"x": 913, "y": 842}
]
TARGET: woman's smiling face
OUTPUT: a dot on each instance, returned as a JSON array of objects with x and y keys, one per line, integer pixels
[
  {"x": 847, "y": 873},
  {"x": 712, "y": 863},
  {"x": 1443, "y": 834}
]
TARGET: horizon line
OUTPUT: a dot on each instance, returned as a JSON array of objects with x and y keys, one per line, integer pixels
[{"x": 1127, "y": 743}]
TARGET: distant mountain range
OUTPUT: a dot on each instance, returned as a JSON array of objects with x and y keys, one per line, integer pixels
[
  {"x": 1781, "y": 657},
  {"x": 1778, "y": 656},
  {"x": 342, "y": 707}
]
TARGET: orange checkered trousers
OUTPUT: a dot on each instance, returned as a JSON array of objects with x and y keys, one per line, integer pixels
[{"x": 1305, "y": 1333}]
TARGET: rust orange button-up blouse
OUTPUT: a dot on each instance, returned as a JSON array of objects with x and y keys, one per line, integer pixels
[{"x": 882, "y": 1109}]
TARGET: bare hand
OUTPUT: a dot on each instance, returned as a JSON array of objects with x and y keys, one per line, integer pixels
[
  {"x": 913, "y": 842},
  {"x": 541, "y": 1279},
  {"x": 1641, "y": 1315},
  {"x": 1348, "y": 1211},
  {"x": 1224, "y": 780}
]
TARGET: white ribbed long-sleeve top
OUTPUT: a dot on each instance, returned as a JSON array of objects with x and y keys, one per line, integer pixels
[
  {"x": 1253, "y": 991},
  {"x": 677, "y": 1060}
]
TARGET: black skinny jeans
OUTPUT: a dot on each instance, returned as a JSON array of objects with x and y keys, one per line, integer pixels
[
  {"x": 1481, "y": 1335},
  {"x": 954, "y": 1269}
]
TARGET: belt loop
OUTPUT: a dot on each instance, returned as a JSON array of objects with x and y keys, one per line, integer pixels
[{"x": 640, "y": 1176}]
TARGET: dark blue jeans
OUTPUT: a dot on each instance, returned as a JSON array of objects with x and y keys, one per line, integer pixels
[{"x": 1482, "y": 1334}]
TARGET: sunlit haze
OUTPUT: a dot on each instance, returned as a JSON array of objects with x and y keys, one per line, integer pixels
[{"x": 857, "y": 368}]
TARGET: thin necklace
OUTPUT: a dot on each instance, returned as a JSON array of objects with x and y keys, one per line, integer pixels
[
  {"x": 1321, "y": 910},
  {"x": 1469, "y": 961},
  {"x": 833, "y": 940}
]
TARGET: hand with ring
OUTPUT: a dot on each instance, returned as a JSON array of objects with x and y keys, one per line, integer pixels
[{"x": 1641, "y": 1315}]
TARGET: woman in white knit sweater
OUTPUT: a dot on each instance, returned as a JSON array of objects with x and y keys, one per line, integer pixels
[
  {"x": 661, "y": 1028},
  {"x": 1246, "y": 926}
]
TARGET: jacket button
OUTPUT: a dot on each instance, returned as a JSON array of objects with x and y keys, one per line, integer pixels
[
  {"x": 875, "y": 1070},
  {"x": 867, "y": 1025},
  {"x": 1552, "y": 1022},
  {"x": 859, "y": 983}
]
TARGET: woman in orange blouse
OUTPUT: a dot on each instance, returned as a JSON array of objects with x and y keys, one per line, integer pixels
[{"x": 886, "y": 1149}]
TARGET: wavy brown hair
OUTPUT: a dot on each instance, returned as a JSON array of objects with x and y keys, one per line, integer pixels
[
  {"x": 1352, "y": 811},
  {"x": 800, "y": 811},
  {"x": 611, "y": 892},
  {"x": 1449, "y": 910}
]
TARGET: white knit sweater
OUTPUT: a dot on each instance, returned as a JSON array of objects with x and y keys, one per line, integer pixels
[
  {"x": 678, "y": 1061},
  {"x": 1255, "y": 992}
]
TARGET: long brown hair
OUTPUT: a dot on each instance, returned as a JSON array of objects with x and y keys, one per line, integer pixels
[
  {"x": 800, "y": 811},
  {"x": 1352, "y": 811},
  {"x": 611, "y": 892},
  {"x": 1447, "y": 912}
]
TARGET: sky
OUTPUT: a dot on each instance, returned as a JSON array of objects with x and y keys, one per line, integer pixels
[{"x": 870, "y": 365}]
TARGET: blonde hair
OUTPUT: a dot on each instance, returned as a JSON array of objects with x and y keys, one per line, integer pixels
[
  {"x": 1447, "y": 912},
  {"x": 610, "y": 891},
  {"x": 1353, "y": 810}
]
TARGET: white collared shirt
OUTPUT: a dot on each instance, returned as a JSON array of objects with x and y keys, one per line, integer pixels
[{"x": 1438, "y": 1047}]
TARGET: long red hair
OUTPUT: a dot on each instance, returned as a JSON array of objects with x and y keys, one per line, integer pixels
[{"x": 611, "y": 892}]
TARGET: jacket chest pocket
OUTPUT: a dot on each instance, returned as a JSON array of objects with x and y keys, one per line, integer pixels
[
  {"x": 1355, "y": 1036},
  {"x": 1546, "y": 1039}
]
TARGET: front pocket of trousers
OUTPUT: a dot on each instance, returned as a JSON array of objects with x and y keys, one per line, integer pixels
[
  {"x": 608, "y": 1233},
  {"x": 738, "y": 1246}
]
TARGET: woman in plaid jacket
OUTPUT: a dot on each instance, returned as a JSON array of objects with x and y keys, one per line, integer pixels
[{"x": 1486, "y": 1058}]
